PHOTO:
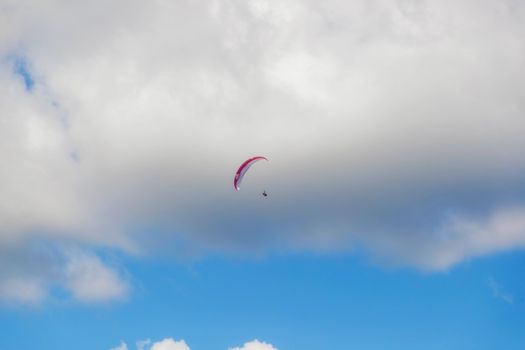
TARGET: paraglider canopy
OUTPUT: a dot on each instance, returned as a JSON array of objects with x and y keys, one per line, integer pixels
[{"x": 243, "y": 169}]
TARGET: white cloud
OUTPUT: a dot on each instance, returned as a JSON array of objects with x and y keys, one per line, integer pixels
[
  {"x": 170, "y": 344},
  {"x": 27, "y": 274},
  {"x": 141, "y": 344},
  {"x": 91, "y": 281},
  {"x": 459, "y": 238},
  {"x": 388, "y": 125},
  {"x": 22, "y": 290},
  {"x": 121, "y": 346},
  {"x": 255, "y": 345},
  {"x": 498, "y": 293}
]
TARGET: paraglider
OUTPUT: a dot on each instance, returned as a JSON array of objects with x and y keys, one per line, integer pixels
[{"x": 243, "y": 169}]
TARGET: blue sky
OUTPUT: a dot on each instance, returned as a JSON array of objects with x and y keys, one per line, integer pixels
[
  {"x": 396, "y": 209},
  {"x": 300, "y": 301},
  {"x": 23, "y": 71}
]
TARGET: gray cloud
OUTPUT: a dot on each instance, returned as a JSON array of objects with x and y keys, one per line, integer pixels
[{"x": 393, "y": 126}]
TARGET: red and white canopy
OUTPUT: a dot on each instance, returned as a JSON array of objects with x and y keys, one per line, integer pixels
[{"x": 243, "y": 169}]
